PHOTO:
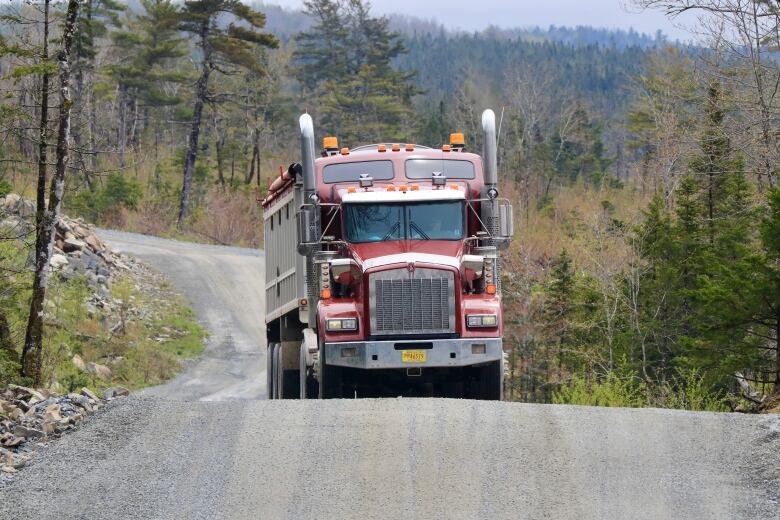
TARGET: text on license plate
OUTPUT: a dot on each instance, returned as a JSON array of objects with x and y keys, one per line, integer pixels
[{"x": 413, "y": 356}]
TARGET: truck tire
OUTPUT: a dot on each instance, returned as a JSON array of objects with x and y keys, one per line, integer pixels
[
  {"x": 329, "y": 379},
  {"x": 308, "y": 384},
  {"x": 492, "y": 381},
  {"x": 277, "y": 371},
  {"x": 270, "y": 354}
]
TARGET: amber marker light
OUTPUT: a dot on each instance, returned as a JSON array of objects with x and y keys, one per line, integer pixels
[
  {"x": 351, "y": 189},
  {"x": 415, "y": 187},
  {"x": 403, "y": 187},
  {"x": 396, "y": 147},
  {"x": 490, "y": 289},
  {"x": 325, "y": 294},
  {"x": 409, "y": 147},
  {"x": 345, "y": 151},
  {"x": 446, "y": 148},
  {"x": 330, "y": 143},
  {"x": 457, "y": 139},
  {"x": 391, "y": 188},
  {"x": 381, "y": 148}
]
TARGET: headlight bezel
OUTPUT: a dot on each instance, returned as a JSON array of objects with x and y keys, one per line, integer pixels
[
  {"x": 482, "y": 321},
  {"x": 341, "y": 324}
]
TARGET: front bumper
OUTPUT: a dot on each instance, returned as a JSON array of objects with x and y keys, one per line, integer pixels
[{"x": 439, "y": 353}]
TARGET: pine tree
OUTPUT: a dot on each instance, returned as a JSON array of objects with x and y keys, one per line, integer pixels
[
  {"x": 345, "y": 60},
  {"x": 149, "y": 44},
  {"x": 223, "y": 49}
]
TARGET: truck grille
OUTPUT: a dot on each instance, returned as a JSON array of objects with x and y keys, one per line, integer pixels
[{"x": 406, "y": 303}]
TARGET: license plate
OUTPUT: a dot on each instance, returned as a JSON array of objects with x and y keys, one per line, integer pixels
[{"x": 414, "y": 356}]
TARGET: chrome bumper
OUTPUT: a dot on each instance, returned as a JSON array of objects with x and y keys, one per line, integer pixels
[{"x": 439, "y": 353}]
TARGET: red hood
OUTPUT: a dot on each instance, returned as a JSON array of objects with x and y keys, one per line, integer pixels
[{"x": 374, "y": 250}]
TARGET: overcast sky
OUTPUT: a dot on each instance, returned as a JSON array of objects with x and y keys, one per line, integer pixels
[{"x": 478, "y": 14}]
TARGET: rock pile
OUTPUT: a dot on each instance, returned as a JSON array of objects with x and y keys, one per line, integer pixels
[
  {"x": 29, "y": 418},
  {"x": 79, "y": 251}
]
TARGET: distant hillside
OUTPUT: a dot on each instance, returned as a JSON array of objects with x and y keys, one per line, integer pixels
[{"x": 286, "y": 22}]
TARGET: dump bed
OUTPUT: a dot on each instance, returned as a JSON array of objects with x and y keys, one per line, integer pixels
[{"x": 284, "y": 267}]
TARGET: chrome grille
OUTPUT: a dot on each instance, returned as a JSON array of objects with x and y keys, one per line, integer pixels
[{"x": 422, "y": 302}]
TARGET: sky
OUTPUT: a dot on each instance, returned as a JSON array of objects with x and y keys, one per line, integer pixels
[{"x": 478, "y": 14}]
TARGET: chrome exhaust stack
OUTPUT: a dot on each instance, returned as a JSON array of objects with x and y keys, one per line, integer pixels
[{"x": 309, "y": 226}]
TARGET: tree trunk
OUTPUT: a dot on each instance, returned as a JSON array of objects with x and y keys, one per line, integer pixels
[
  {"x": 192, "y": 150},
  {"x": 121, "y": 137},
  {"x": 45, "y": 238},
  {"x": 33, "y": 339}
]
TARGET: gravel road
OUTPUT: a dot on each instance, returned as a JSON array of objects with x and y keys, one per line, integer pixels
[{"x": 206, "y": 447}]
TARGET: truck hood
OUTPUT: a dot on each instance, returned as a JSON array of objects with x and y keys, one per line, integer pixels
[{"x": 377, "y": 254}]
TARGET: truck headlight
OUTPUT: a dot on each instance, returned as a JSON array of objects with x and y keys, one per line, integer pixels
[
  {"x": 340, "y": 324},
  {"x": 481, "y": 320}
]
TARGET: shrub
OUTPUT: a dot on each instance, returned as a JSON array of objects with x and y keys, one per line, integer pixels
[{"x": 613, "y": 390}]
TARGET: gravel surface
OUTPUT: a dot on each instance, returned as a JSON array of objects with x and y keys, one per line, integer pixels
[{"x": 202, "y": 447}]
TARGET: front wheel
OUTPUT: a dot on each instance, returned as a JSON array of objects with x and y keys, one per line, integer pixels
[
  {"x": 308, "y": 384},
  {"x": 329, "y": 379}
]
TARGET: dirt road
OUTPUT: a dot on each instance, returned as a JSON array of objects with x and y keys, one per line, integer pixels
[{"x": 207, "y": 446}]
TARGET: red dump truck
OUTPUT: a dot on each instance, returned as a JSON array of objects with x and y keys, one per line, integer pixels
[{"x": 382, "y": 271}]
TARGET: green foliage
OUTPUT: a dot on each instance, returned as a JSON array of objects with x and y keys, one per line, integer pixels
[
  {"x": 346, "y": 61},
  {"x": 237, "y": 45},
  {"x": 119, "y": 192},
  {"x": 686, "y": 390}
]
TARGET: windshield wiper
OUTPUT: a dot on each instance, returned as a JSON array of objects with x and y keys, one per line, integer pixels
[
  {"x": 392, "y": 230},
  {"x": 420, "y": 231}
]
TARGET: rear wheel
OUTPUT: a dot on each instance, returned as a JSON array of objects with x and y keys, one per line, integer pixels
[{"x": 270, "y": 355}]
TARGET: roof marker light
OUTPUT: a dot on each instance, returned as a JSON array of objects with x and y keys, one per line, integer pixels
[
  {"x": 446, "y": 148},
  {"x": 345, "y": 151},
  {"x": 381, "y": 148},
  {"x": 457, "y": 139},
  {"x": 396, "y": 147},
  {"x": 409, "y": 147},
  {"x": 330, "y": 143}
]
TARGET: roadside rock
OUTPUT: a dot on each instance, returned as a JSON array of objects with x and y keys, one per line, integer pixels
[
  {"x": 30, "y": 418},
  {"x": 58, "y": 261},
  {"x": 118, "y": 391},
  {"x": 98, "y": 370},
  {"x": 79, "y": 363},
  {"x": 73, "y": 244},
  {"x": 27, "y": 433}
]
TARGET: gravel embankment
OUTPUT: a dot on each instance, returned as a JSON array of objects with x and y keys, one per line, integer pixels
[{"x": 203, "y": 446}]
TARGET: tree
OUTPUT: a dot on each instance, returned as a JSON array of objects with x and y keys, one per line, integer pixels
[
  {"x": 747, "y": 34},
  {"x": 149, "y": 44},
  {"x": 45, "y": 233},
  {"x": 94, "y": 21},
  {"x": 346, "y": 61},
  {"x": 222, "y": 49}
]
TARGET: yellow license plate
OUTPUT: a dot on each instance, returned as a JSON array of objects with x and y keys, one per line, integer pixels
[{"x": 414, "y": 356}]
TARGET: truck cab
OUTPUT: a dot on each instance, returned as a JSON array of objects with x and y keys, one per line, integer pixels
[{"x": 382, "y": 271}]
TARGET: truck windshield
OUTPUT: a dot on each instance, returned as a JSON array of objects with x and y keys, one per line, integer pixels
[{"x": 398, "y": 221}]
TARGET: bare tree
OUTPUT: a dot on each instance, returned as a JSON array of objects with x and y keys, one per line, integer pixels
[
  {"x": 747, "y": 32},
  {"x": 33, "y": 343}
]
